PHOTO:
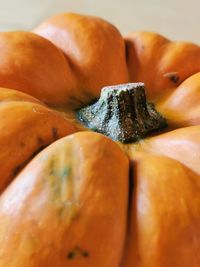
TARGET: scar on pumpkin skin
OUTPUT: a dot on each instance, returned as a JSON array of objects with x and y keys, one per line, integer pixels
[
  {"x": 173, "y": 76},
  {"x": 54, "y": 132},
  {"x": 77, "y": 252}
]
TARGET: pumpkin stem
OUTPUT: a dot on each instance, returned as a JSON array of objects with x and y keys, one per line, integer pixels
[{"x": 122, "y": 113}]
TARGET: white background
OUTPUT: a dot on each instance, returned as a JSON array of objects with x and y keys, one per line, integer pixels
[{"x": 176, "y": 19}]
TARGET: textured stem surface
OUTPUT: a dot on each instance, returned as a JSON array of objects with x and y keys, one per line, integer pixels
[{"x": 122, "y": 113}]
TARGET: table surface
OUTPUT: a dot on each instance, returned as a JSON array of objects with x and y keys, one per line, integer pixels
[{"x": 176, "y": 19}]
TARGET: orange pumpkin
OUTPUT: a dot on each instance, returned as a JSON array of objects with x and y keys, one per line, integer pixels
[
  {"x": 86, "y": 200},
  {"x": 94, "y": 51},
  {"x": 32, "y": 64}
]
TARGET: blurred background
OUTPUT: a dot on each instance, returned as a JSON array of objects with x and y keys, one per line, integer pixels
[{"x": 176, "y": 19}]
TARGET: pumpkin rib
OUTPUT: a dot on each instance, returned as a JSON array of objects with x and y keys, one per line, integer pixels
[
  {"x": 7, "y": 95},
  {"x": 164, "y": 227},
  {"x": 26, "y": 128},
  {"x": 36, "y": 67},
  {"x": 86, "y": 213},
  {"x": 174, "y": 144},
  {"x": 182, "y": 106},
  {"x": 93, "y": 48},
  {"x": 160, "y": 63}
]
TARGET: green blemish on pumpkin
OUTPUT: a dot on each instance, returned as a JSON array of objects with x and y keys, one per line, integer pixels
[
  {"x": 52, "y": 168},
  {"x": 65, "y": 173},
  {"x": 68, "y": 211},
  {"x": 54, "y": 179},
  {"x": 60, "y": 182}
]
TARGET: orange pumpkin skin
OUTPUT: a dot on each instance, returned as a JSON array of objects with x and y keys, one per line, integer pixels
[
  {"x": 27, "y": 126},
  {"x": 164, "y": 228},
  {"x": 94, "y": 50},
  {"x": 67, "y": 208},
  {"x": 32, "y": 64},
  {"x": 165, "y": 217},
  {"x": 181, "y": 108},
  {"x": 160, "y": 63}
]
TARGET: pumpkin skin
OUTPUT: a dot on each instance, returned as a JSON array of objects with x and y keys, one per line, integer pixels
[
  {"x": 94, "y": 50},
  {"x": 165, "y": 217},
  {"x": 160, "y": 63},
  {"x": 165, "y": 220},
  {"x": 163, "y": 211},
  {"x": 182, "y": 106},
  {"x": 57, "y": 206},
  {"x": 32, "y": 64},
  {"x": 27, "y": 126}
]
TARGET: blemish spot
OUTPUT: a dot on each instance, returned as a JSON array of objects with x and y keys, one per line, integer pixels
[
  {"x": 173, "y": 76},
  {"x": 66, "y": 171},
  {"x": 85, "y": 254},
  {"x": 54, "y": 133},
  {"x": 71, "y": 255},
  {"x": 77, "y": 252}
]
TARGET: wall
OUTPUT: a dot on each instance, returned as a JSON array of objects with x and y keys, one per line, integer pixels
[{"x": 177, "y": 19}]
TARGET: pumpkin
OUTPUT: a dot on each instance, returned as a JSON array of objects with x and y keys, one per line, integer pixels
[
  {"x": 27, "y": 126},
  {"x": 94, "y": 51},
  {"x": 34, "y": 65},
  {"x": 87, "y": 200}
]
